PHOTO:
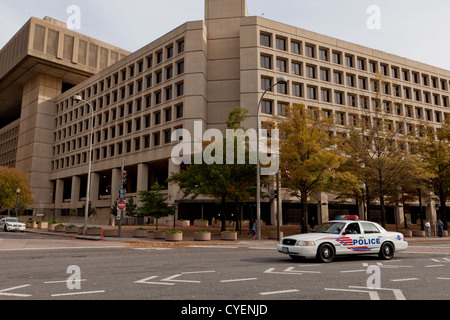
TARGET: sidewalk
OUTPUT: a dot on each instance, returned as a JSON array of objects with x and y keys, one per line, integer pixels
[{"x": 188, "y": 236}]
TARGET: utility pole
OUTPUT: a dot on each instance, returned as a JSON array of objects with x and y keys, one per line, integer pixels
[{"x": 122, "y": 196}]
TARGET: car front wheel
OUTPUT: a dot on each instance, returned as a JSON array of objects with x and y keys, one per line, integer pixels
[
  {"x": 325, "y": 253},
  {"x": 387, "y": 251}
]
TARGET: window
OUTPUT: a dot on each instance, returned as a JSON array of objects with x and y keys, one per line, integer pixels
[
  {"x": 265, "y": 40},
  {"x": 373, "y": 66},
  {"x": 361, "y": 64},
  {"x": 296, "y": 47},
  {"x": 337, "y": 76},
  {"x": 337, "y": 57},
  {"x": 339, "y": 98},
  {"x": 405, "y": 75},
  {"x": 297, "y": 90},
  {"x": 312, "y": 93},
  {"x": 281, "y": 65},
  {"x": 266, "y": 107},
  {"x": 351, "y": 100},
  {"x": 282, "y": 109},
  {"x": 310, "y": 50},
  {"x": 351, "y": 80},
  {"x": 281, "y": 44},
  {"x": 326, "y": 95},
  {"x": 296, "y": 68},
  {"x": 311, "y": 71},
  {"x": 323, "y": 54},
  {"x": 169, "y": 52},
  {"x": 363, "y": 83},
  {"x": 349, "y": 61},
  {"x": 369, "y": 228},
  {"x": 179, "y": 111},
  {"x": 324, "y": 74},
  {"x": 266, "y": 62},
  {"x": 266, "y": 84},
  {"x": 282, "y": 88},
  {"x": 180, "y": 89},
  {"x": 180, "y": 45}
]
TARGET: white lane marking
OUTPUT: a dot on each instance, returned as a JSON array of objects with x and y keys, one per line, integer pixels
[
  {"x": 435, "y": 265},
  {"x": 77, "y": 293},
  {"x": 61, "y": 248},
  {"x": 5, "y": 292},
  {"x": 372, "y": 294},
  {"x": 409, "y": 279},
  {"x": 64, "y": 281},
  {"x": 398, "y": 293},
  {"x": 146, "y": 281},
  {"x": 238, "y": 280},
  {"x": 278, "y": 292},
  {"x": 351, "y": 271},
  {"x": 443, "y": 278}
]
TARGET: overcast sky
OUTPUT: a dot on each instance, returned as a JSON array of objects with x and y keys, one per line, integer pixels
[{"x": 416, "y": 29}]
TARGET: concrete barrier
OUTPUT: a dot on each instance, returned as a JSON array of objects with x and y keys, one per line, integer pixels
[{"x": 418, "y": 233}]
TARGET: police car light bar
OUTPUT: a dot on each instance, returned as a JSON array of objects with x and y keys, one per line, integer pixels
[{"x": 349, "y": 217}]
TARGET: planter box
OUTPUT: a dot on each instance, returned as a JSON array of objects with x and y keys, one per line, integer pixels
[
  {"x": 183, "y": 223},
  {"x": 94, "y": 232},
  {"x": 111, "y": 233},
  {"x": 140, "y": 233},
  {"x": 228, "y": 236},
  {"x": 72, "y": 230},
  {"x": 202, "y": 236},
  {"x": 274, "y": 235},
  {"x": 407, "y": 233},
  {"x": 159, "y": 235},
  {"x": 52, "y": 226},
  {"x": 418, "y": 233},
  {"x": 60, "y": 229},
  {"x": 199, "y": 223},
  {"x": 43, "y": 225},
  {"x": 174, "y": 236},
  {"x": 34, "y": 225},
  {"x": 445, "y": 233}
]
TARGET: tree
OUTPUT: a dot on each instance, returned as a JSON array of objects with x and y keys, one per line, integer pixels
[
  {"x": 434, "y": 152},
  {"x": 154, "y": 203},
  {"x": 307, "y": 155},
  {"x": 377, "y": 155},
  {"x": 10, "y": 181},
  {"x": 224, "y": 181}
]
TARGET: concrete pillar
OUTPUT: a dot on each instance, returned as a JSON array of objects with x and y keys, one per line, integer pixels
[
  {"x": 400, "y": 216},
  {"x": 75, "y": 197},
  {"x": 142, "y": 177},
  {"x": 95, "y": 183},
  {"x": 59, "y": 193},
  {"x": 323, "y": 214},
  {"x": 35, "y": 142}
]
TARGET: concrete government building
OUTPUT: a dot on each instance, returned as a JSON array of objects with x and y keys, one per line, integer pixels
[{"x": 199, "y": 71}]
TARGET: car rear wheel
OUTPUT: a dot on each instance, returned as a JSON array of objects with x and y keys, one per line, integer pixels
[
  {"x": 387, "y": 251},
  {"x": 325, "y": 253}
]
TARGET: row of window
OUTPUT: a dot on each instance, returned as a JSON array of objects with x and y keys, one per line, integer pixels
[
  {"x": 141, "y": 143},
  {"x": 130, "y": 126},
  {"x": 350, "y": 60},
  {"x": 353, "y": 81}
]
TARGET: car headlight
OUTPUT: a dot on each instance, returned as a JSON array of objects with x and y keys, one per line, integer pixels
[{"x": 305, "y": 243}]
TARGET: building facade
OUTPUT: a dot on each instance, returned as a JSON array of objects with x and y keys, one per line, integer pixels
[{"x": 199, "y": 71}]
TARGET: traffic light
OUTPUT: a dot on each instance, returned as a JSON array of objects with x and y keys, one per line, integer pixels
[{"x": 124, "y": 177}]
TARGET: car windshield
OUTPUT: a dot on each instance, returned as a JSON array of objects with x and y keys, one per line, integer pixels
[
  {"x": 12, "y": 220},
  {"x": 330, "y": 227}
]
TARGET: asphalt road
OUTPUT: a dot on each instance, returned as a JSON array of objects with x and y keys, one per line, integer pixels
[{"x": 109, "y": 271}]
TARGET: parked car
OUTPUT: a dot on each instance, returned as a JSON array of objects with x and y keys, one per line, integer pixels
[{"x": 12, "y": 224}]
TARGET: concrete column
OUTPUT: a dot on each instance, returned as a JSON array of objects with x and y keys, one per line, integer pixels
[
  {"x": 142, "y": 177},
  {"x": 399, "y": 212},
  {"x": 75, "y": 197},
  {"x": 95, "y": 182},
  {"x": 174, "y": 189},
  {"x": 59, "y": 193},
  {"x": 323, "y": 214}
]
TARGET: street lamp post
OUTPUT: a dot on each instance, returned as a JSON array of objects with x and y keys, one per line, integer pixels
[
  {"x": 16, "y": 210},
  {"x": 281, "y": 80},
  {"x": 363, "y": 188},
  {"x": 78, "y": 98}
]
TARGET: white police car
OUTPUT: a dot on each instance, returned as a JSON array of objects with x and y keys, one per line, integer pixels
[
  {"x": 12, "y": 224},
  {"x": 344, "y": 236}
]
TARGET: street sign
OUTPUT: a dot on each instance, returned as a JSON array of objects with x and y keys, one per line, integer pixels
[{"x": 121, "y": 205}]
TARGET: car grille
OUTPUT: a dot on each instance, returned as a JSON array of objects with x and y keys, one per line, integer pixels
[{"x": 289, "y": 242}]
